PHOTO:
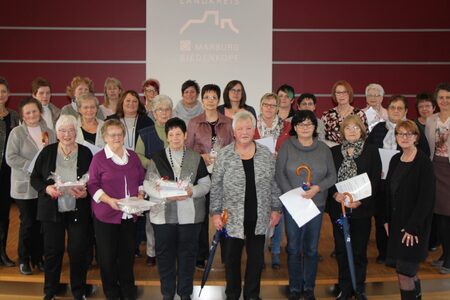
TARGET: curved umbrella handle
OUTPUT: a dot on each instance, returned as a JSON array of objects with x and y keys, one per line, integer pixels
[
  {"x": 307, "y": 169},
  {"x": 342, "y": 203},
  {"x": 225, "y": 216}
]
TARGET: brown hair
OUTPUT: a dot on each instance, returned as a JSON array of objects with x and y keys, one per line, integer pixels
[
  {"x": 409, "y": 126},
  {"x": 355, "y": 119},
  {"x": 76, "y": 81},
  {"x": 141, "y": 107},
  {"x": 113, "y": 81},
  {"x": 29, "y": 100},
  {"x": 347, "y": 86},
  {"x": 39, "y": 82}
]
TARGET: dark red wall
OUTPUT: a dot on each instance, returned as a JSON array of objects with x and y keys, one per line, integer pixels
[{"x": 403, "y": 45}]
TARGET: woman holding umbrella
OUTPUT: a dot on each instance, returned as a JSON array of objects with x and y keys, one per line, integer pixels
[
  {"x": 353, "y": 157},
  {"x": 410, "y": 186},
  {"x": 243, "y": 183}
]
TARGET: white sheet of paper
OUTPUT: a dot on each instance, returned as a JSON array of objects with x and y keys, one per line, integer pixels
[
  {"x": 359, "y": 186},
  {"x": 269, "y": 142},
  {"x": 33, "y": 162},
  {"x": 372, "y": 118},
  {"x": 386, "y": 156},
  {"x": 94, "y": 149},
  {"x": 301, "y": 209}
]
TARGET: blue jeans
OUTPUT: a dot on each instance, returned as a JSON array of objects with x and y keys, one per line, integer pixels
[
  {"x": 277, "y": 237},
  {"x": 302, "y": 244}
]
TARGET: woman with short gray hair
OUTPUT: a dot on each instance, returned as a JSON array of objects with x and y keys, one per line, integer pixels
[{"x": 374, "y": 98}]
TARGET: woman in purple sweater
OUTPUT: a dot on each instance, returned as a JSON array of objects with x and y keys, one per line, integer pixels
[{"x": 115, "y": 173}]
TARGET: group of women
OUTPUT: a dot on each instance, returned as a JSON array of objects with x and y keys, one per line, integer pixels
[{"x": 124, "y": 144}]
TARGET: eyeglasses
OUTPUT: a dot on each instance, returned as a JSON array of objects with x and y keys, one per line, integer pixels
[
  {"x": 352, "y": 128},
  {"x": 236, "y": 91},
  {"x": 341, "y": 92},
  {"x": 372, "y": 96},
  {"x": 150, "y": 90},
  {"x": 115, "y": 135},
  {"x": 405, "y": 134},
  {"x": 267, "y": 105},
  {"x": 306, "y": 104},
  {"x": 304, "y": 125},
  {"x": 210, "y": 98},
  {"x": 163, "y": 110},
  {"x": 399, "y": 108},
  {"x": 64, "y": 131}
]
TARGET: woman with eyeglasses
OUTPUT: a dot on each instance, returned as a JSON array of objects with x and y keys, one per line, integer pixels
[
  {"x": 234, "y": 98},
  {"x": 150, "y": 88},
  {"x": 374, "y": 98},
  {"x": 304, "y": 148},
  {"x": 342, "y": 94},
  {"x": 207, "y": 134},
  {"x": 438, "y": 131},
  {"x": 353, "y": 157},
  {"x": 410, "y": 190}
]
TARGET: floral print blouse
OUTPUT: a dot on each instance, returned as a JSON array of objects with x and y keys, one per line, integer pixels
[{"x": 332, "y": 121}]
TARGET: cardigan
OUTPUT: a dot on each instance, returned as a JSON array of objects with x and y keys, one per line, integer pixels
[
  {"x": 430, "y": 132},
  {"x": 410, "y": 207},
  {"x": 20, "y": 151},
  {"x": 99, "y": 142},
  {"x": 148, "y": 143},
  {"x": 47, "y": 209},
  {"x": 105, "y": 174},
  {"x": 317, "y": 156},
  {"x": 142, "y": 122},
  {"x": 369, "y": 162},
  {"x": 228, "y": 189},
  {"x": 199, "y": 133}
]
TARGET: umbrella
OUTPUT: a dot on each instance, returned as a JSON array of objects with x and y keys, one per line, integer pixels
[
  {"x": 348, "y": 240},
  {"x": 212, "y": 250},
  {"x": 298, "y": 171}
]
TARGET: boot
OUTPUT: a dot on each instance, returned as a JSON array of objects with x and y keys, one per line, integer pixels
[
  {"x": 418, "y": 289},
  {"x": 408, "y": 295},
  {"x": 4, "y": 259}
]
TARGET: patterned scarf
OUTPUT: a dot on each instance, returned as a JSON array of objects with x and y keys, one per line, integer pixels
[
  {"x": 389, "y": 141},
  {"x": 273, "y": 131},
  {"x": 348, "y": 168}
]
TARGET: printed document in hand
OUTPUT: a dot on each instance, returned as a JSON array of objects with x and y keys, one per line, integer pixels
[
  {"x": 301, "y": 209},
  {"x": 386, "y": 156},
  {"x": 269, "y": 142},
  {"x": 359, "y": 186}
]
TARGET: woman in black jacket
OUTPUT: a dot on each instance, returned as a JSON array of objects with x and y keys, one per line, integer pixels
[
  {"x": 61, "y": 211},
  {"x": 353, "y": 157},
  {"x": 410, "y": 187}
]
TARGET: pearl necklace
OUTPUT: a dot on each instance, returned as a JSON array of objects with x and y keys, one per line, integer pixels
[{"x": 172, "y": 164}]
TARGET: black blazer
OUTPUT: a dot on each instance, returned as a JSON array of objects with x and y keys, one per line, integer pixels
[
  {"x": 410, "y": 207},
  {"x": 142, "y": 122},
  {"x": 47, "y": 207},
  {"x": 368, "y": 162}
]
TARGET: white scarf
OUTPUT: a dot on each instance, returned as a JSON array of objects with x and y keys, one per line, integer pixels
[{"x": 389, "y": 142}]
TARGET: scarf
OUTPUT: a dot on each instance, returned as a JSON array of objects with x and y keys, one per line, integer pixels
[
  {"x": 273, "y": 131},
  {"x": 186, "y": 114},
  {"x": 348, "y": 168},
  {"x": 389, "y": 141}
]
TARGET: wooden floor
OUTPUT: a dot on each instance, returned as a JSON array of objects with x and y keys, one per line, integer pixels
[{"x": 273, "y": 281}]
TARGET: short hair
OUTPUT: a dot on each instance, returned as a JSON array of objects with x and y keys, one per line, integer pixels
[
  {"x": 226, "y": 92},
  {"x": 306, "y": 96},
  {"x": 151, "y": 82},
  {"x": 190, "y": 83},
  {"x": 409, "y": 126},
  {"x": 39, "y": 82},
  {"x": 425, "y": 97},
  {"x": 29, "y": 100},
  {"x": 211, "y": 88},
  {"x": 112, "y": 123},
  {"x": 242, "y": 116},
  {"x": 88, "y": 96},
  {"x": 161, "y": 100},
  {"x": 347, "y": 86},
  {"x": 111, "y": 81},
  {"x": 66, "y": 120},
  {"x": 76, "y": 81},
  {"x": 141, "y": 107},
  {"x": 175, "y": 123},
  {"x": 299, "y": 117},
  {"x": 375, "y": 86},
  {"x": 396, "y": 98},
  {"x": 444, "y": 86},
  {"x": 355, "y": 119},
  {"x": 269, "y": 96},
  {"x": 4, "y": 82},
  {"x": 289, "y": 90}
]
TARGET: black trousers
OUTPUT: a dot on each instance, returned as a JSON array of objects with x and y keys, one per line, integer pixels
[
  {"x": 444, "y": 229},
  {"x": 115, "y": 254},
  {"x": 54, "y": 244},
  {"x": 30, "y": 235},
  {"x": 203, "y": 240},
  {"x": 380, "y": 237},
  {"x": 254, "y": 245},
  {"x": 176, "y": 245},
  {"x": 359, "y": 233}
]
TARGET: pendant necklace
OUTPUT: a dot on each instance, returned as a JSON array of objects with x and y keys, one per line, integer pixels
[{"x": 172, "y": 164}]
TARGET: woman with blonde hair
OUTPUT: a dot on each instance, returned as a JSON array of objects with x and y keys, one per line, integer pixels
[{"x": 112, "y": 92}]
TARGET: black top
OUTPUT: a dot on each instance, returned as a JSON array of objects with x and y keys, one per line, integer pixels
[
  {"x": 89, "y": 137},
  {"x": 250, "y": 208}
]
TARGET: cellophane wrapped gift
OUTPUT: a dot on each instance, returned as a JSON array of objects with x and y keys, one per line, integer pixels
[{"x": 64, "y": 186}]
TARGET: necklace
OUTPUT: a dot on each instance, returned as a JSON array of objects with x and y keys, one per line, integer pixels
[
  {"x": 66, "y": 156},
  {"x": 130, "y": 137},
  {"x": 172, "y": 164}
]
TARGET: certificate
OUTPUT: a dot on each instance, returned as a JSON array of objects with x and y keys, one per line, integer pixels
[
  {"x": 359, "y": 186},
  {"x": 301, "y": 209},
  {"x": 386, "y": 156},
  {"x": 269, "y": 142},
  {"x": 171, "y": 189}
]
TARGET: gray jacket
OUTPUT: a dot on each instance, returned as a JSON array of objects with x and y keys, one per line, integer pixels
[
  {"x": 228, "y": 189},
  {"x": 20, "y": 151},
  {"x": 317, "y": 156},
  {"x": 3, "y": 130}
]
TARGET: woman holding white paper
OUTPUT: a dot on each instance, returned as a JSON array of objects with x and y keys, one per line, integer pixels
[
  {"x": 60, "y": 212},
  {"x": 177, "y": 223},
  {"x": 304, "y": 148},
  {"x": 353, "y": 157}
]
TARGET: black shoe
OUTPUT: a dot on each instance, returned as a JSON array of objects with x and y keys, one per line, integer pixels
[
  {"x": 39, "y": 265},
  {"x": 90, "y": 290},
  {"x": 151, "y": 261},
  {"x": 200, "y": 264},
  {"x": 380, "y": 260},
  {"x": 361, "y": 296},
  {"x": 167, "y": 297},
  {"x": 48, "y": 297},
  {"x": 4, "y": 259},
  {"x": 25, "y": 269},
  {"x": 185, "y": 297},
  {"x": 334, "y": 290},
  {"x": 294, "y": 296},
  {"x": 309, "y": 295}
]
